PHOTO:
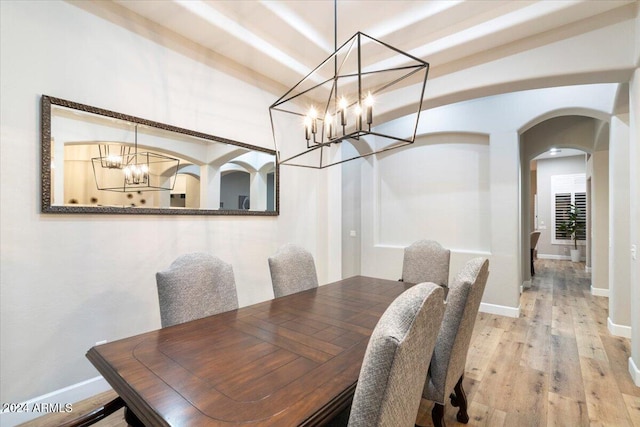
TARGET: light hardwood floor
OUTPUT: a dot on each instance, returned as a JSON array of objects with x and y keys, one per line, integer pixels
[{"x": 555, "y": 365}]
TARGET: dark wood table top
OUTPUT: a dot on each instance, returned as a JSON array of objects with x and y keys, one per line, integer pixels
[{"x": 290, "y": 361}]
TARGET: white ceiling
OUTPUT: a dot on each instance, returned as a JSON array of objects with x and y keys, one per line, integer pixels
[
  {"x": 282, "y": 41},
  {"x": 560, "y": 152}
]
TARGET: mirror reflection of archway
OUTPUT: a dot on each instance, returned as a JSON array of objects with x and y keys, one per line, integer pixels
[
  {"x": 247, "y": 182},
  {"x": 186, "y": 192},
  {"x": 79, "y": 177},
  {"x": 235, "y": 190}
]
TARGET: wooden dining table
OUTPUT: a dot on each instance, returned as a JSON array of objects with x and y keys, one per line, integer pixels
[{"x": 290, "y": 361}]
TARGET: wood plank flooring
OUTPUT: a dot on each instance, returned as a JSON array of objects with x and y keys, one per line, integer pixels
[{"x": 555, "y": 365}]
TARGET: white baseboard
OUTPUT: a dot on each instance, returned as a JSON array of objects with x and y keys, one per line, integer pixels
[
  {"x": 552, "y": 256},
  {"x": 618, "y": 330},
  {"x": 500, "y": 310},
  {"x": 58, "y": 400},
  {"x": 559, "y": 257},
  {"x": 599, "y": 292},
  {"x": 634, "y": 371},
  {"x": 587, "y": 269}
]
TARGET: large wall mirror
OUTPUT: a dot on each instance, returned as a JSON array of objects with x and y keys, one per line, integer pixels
[{"x": 100, "y": 161}]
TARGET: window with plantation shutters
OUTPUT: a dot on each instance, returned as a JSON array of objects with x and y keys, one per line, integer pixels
[
  {"x": 567, "y": 190},
  {"x": 563, "y": 201},
  {"x": 580, "y": 200}
]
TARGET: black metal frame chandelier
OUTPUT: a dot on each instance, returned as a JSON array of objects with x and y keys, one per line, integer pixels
[
  {"x": 128, "y": 170},
  {"x": 344, "y": 100}
]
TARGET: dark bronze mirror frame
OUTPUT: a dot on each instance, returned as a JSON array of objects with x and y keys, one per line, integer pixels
[{"x": 46, "y": 120}]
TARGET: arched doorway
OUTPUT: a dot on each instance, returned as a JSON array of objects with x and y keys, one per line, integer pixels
[{"x": 575, "y": 174}]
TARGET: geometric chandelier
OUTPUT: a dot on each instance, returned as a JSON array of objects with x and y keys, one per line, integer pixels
[
  {"x": 345, "y": 100},
  {"x": 122, "y": 170}
]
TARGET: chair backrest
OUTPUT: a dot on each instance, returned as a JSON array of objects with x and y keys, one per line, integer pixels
[
  {"x": 195, "y": 285},
  {"x": 397, "y": 358},
  {"x": 535, "y": 235},
  {"x": 292, "y": 270},
  {"x": 452, "y": 345},
  {"x": 426, "y": 261}
]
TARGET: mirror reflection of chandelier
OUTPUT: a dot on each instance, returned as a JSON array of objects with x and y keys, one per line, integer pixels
[
  {"x": 347, "y": 98},
  {"x": 137, "y": 173},
  {"x": 111, "y": 157},
  {"x": 121, "y": 169}
]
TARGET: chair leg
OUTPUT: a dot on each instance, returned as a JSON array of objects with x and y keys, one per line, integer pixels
[
  {"x": 437, "y": 415},
  {"x": 533, "y": 272},
  {"x": 459, "y": 399},
  {"x": 96, "y": 415}
]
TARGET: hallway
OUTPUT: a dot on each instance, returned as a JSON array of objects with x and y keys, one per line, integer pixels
[{"x": 556, "y": 365}]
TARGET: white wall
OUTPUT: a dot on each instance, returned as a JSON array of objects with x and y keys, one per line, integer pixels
[
  {"x": 599, "y": 162},
  {"x": 69, "y": 281},
  {"x": 546, "y": 169},
  {"x": 450, "y": 173},
  {"x": 619, "y": 223},
  {"x": 634, "y": 161},
  {"x": 351, "y": 212}
]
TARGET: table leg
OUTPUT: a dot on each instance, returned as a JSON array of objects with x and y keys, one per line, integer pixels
[{"x": 131, "y": 418}]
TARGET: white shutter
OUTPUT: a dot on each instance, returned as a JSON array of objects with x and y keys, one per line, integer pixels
[
  {"x": 566, "y": 190},
  {"x": 580, "y": 200}
]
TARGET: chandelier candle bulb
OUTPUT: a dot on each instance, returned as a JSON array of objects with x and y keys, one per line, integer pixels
[
  {"x": 368, "y": 102},
  {"x": 128, "y": 174},
  {"x": 109, "y": 160},
  {"x": 313, "y": 114},
  {"x": 358, "y": 111},
  {"x": 307, "y": 128},
  {"x": 136, "y": 174},
  {"x": 328, "y": 122},
  {"x": 114, "y": 162},
  {"x": 343, "y": 111}
]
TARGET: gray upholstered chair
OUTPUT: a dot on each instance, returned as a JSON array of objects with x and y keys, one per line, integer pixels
[
  {"x": 195, "y": 285},
  {"x": 292, "y": 270},
  {"x": 450, "y": 354},
  {"x": 426, "y": 261},
  {"x": 397, "y": 358}
]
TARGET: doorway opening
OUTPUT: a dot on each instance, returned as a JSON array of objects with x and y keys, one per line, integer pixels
[{"x": 564, "y": 167}]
